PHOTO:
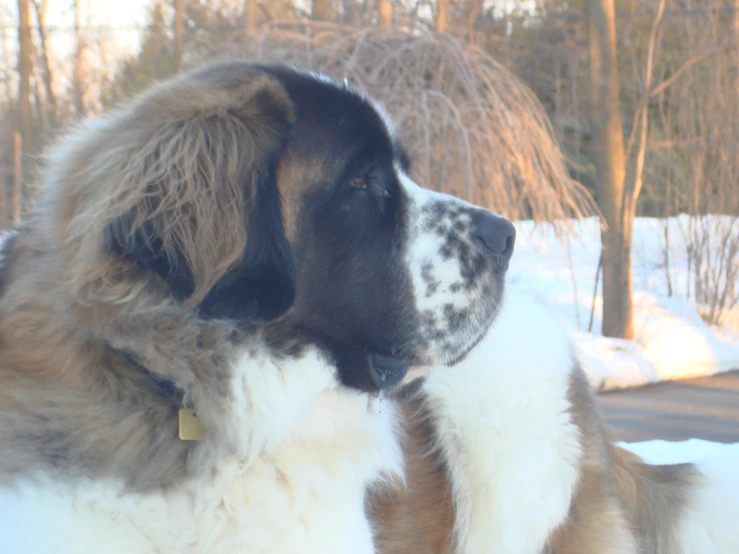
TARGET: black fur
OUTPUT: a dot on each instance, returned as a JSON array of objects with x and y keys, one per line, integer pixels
[
  {"x": 262, "y": 286},
  {"x": 145, "y": 247},
  {"x": 350, "y": 242},
  {"x": 4, "y": 262}
]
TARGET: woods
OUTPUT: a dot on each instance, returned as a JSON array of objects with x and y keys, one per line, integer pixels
[{"x": 628, "y": 104}]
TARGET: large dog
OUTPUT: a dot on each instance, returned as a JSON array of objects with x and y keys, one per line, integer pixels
[{"x": 207, "y": 321}]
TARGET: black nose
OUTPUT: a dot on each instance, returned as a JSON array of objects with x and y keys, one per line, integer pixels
[{"x": 496, "y": 235}]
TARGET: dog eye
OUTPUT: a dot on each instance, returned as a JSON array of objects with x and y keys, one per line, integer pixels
[{"x": 360, "y": 183}]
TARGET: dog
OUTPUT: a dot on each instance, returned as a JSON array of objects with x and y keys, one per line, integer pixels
[
  {"x": 201, "y": 312},
  {"x": 208, "y": 326}
]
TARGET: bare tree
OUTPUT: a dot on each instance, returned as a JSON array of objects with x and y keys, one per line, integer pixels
[
  {"x": 442, "y": 16},
  {"x": 3, "y": 200},
  {"x": 736, "y": 49},
  {"x": 475, "y": 130},
  {"x": 23, "y": 142},
  {"x": 633, "y": 187},
  {"x": 40, "y": 8},
  {"x": 178, "y": 39},
  {"x": 351, "y": 12},
  {"x": 17, "y": 176},
  {"x": 385, "y": 10},
  {"x": 79, "y": 62},
  {"x": 322, "y": 10},
  {"x": 610, "y": 162},
  {"x": 251, "y": 9},
  {"x": 474, "y": 10}
]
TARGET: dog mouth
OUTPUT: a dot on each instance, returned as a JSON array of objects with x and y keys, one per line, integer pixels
[{"x": 388, "y": 371}]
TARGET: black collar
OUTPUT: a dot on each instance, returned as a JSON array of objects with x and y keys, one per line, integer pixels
[{"x": 165, "y": 387}]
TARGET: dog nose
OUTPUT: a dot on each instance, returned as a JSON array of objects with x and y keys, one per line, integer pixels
[{"x": 495, "y": 234}]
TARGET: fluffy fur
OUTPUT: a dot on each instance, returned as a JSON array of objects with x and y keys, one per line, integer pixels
[
  {"x": 310, "y": 450},
  {"x": 533, "y": 468},
  {"x": 243, "y": 241}
]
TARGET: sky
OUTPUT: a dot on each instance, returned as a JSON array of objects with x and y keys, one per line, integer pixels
[{"x": 123, "y": 15}]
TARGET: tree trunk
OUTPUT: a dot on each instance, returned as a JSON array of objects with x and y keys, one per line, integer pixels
[
  {"x": 40, "y": 8},
  {"x": 17, "y": 176},
  {"x": 475, "y": 8},
  {"x": 385, "y": 11},
  {"x": 322, "y": 10},
  {"x": 442, "y": 16},
  {"x": 3, "y": 200},
  {"x": 350, "y": 12},
  {"x": 79, "y": 63},
  {"x": 610, "y": 168},
  {"x": 250, "y": 16},
  {"x": 736, "y": 58},
  {"x": 24, "y": 140},
  {"x": 178, "y": 40}
]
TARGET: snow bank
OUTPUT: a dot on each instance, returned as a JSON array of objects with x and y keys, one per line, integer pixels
[
  {"x": 672, "y": 341},
  {"x": 676, "y": 452}
]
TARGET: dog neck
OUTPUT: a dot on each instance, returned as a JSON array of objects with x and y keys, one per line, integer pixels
[{"x": 165, "y": 386}]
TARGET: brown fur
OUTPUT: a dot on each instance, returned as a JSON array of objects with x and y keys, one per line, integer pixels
[
  {"x": 620, "y": 505},
  {"x": 418, "y": 515},
  {"x": 178, "y": 160},
  {"x": 619, "y": 498}
]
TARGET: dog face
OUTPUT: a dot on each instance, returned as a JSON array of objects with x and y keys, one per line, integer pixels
[
  {"x": 389, "y": 275},
  {"x": 272, "y": 197}
]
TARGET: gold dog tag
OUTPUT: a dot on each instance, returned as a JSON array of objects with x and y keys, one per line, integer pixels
[{"x": 191, "y": 426}]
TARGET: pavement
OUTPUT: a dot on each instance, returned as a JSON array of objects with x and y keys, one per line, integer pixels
[{"x": 705, "y": 408}]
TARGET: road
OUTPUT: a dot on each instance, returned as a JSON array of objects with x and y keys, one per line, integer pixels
[{"x": 705, "y": 408}]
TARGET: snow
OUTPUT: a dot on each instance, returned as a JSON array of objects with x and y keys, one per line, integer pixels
[
  {"x": 672, "y": 340},
  {"x": 676, "y": 452}
]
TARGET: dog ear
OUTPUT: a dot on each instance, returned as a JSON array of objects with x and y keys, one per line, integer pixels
[
  {"x": 142, "y": 245},
  {"x": 262, "y": 286},
  {"x": 203, "y": 211}
]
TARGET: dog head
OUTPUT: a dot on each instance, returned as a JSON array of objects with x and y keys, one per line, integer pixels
[{"x": 272, "y": 197}]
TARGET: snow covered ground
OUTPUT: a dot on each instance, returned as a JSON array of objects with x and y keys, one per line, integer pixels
[
  {"x": 677, "y": 452},
  {"x": 672, "y": 341}
]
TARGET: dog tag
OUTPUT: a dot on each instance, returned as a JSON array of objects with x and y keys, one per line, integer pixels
[{"x": 191, "y": 426}]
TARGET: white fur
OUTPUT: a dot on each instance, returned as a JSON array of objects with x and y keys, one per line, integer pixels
[
  {"x": 513, "y": 451},
  {"x": 309, "y": 449},
  {"x": 710, "y": 525},
  {"x": 505, "y": 430}
]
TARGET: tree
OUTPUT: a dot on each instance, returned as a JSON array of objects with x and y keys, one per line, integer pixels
[
  {"x": 442, "y": 16},
  {"x": 40, "y": 8},
  {"x": 250, "y": 16},
  {"x": 79, "y": 62},
  {"x": 385, "y": 10},
  {"x": 350, "y": 12},
  {"x": 155, "y": 61},
  {"x": 178, "y": 38},
  {"x": 25, "y": 66},
  {"x": 322, "y": 10},
  {"x": 610, "y": 164}
]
